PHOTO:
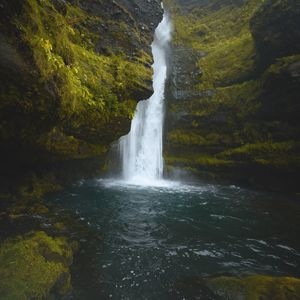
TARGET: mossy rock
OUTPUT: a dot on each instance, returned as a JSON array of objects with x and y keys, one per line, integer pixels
[
  {"x": 275, "y": 28},
  {"x": 67, "y": 146},
  {"x": 241, "y": 111},
  {"x": 255, "y": 287},
  {"x": 93, "y": 89},
  {"x": 71, "y": 75},
  {"x": 35, "y": 187},
  {"x": 34, "y": 266}
]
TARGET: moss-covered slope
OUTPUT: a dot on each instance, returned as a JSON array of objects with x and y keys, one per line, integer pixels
[
  {"x": 71, "y": 74},
  {"x": 234, "y": 89}
]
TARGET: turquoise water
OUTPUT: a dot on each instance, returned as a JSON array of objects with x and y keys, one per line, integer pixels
[{"x": 155, "y": 238}]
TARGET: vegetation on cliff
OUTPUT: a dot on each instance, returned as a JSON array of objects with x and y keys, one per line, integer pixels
[
  {"x": 93, "y": 89},
  {"x": 71, "y": 76},
  {"x": 240, "y": 100}
]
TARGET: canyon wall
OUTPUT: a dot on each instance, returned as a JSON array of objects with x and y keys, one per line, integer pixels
[
  {"x": 71, "y": 75},
  {"x": 233, "y": 94}
]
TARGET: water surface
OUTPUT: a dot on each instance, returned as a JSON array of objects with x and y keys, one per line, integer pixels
[{"x": 153, "y": 238}]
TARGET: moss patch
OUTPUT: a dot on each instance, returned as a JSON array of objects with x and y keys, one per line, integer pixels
[
  {"x": 239, "y": 114},
  {"x": 256, "y": 287},
  {"x": 279, "y": 155},
  {"x": 64, "y": 53},
  {"x": 198, "y": 160},
  {"x": 64, "y": 146},
  {"x": 224, "y": 35},
  {"x": 34, "y": 266}
]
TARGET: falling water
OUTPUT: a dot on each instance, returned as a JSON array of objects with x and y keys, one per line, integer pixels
[{"x": 141, "y": 149}]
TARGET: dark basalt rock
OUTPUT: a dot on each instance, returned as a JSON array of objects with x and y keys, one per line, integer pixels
[
  {"x": 275, "y": 28},
  {"x": 119, "y": 31},
  {"x": 184, "y": 73},
  {"x": 239, "y": 288},
  {"x": 280, "y": 95},
  {"x": 232, "y": 112},
  {"x": 142, "y": 16}
]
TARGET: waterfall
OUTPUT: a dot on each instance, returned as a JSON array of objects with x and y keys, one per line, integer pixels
[{"x": 141, "y": 149}]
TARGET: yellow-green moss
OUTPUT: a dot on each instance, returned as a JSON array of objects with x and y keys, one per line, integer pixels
[
  {"x": 27, "y": 206},
  {"x": 228, "y": 62},
  {"x": 64, "y": 53},
  {"x": 224, "y": 35},
  {"x": 36, "y": 187},
  {"x": 197, "y": 138},
  {"x": 278, "y": 154},
  {"x": 232, "y": 117},
  {"x": 185, "y": 138},
  {"x": 58, "y": 143},
  {"x": 198, "y": 160},
  {"x": 31, "y": 266},
  {"x": 256, "y": 287},
  {"x": 281, "y": 64}
]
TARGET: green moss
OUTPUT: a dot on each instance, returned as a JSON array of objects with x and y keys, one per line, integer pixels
[
  {"x": 63, "y": 53},
  {"x": 280, "y": 65},
  {"x": 197, "y": 160},
  {"x": 179, "y": 136},
  {"x": 241, "y": 113},
  {"x": 256, "y": 287},
  {"x": 32, "y": 267},
  {"x": 277, "y": 154},
  {"x": 35, "y": 187},
  {"x": 60, "y": 144},
  {"x": 197, "y": 137},
  {"x": 230, "y": 61},
  {"x": 27, "y": 206},
  {"x": 224, "y": 35}
]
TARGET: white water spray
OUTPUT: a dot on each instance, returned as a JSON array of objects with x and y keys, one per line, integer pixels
[{"x": 141, "y": 150}]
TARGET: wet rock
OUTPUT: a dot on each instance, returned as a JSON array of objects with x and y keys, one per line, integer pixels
[
  {"x": 240, "y": 288},
  {"x": 255, "y": 287},
  {"x": 184, "y": 73},
  {"x": 294, "y": 69}
]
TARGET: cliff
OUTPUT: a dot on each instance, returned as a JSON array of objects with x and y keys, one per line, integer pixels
[
  {"x": 71, "y": 75},
  {"x": 233, "y": 91}
]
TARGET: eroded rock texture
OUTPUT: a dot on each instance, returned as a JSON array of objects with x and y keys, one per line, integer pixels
[
  {"x": 71, "y": 75},
  {"x": 233, "y": 91}
]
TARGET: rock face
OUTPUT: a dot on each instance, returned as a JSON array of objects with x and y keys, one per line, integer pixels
[
  {"x": 232, "y": 97},
  {"x": 252, "y": 287},
  {"x": 71, "y": 75},
  {"x": 255, "y": 287},
  {"x": 275, "y": 29}
]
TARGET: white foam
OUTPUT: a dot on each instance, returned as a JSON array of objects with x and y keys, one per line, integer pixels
[{"x": 165, "y": 186}]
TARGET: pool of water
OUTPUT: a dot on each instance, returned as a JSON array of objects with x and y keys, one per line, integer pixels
[{"x": 152, "y": 238}]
